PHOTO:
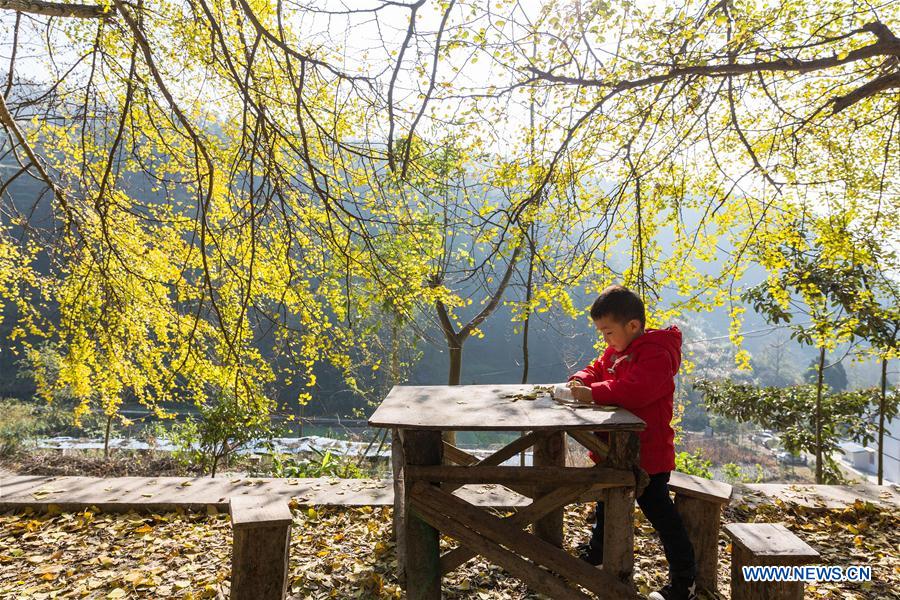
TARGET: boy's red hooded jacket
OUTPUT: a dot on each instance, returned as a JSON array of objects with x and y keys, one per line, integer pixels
[{"x": 642, "y": 380}]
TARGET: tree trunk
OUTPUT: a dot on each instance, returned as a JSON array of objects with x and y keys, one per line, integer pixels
[
  {"x": 300, "y": 420},
  {"x": 453, "y": 379},
  {"x": 455, "y": 363},
  {"x": 455, "y": 338},
  {"x": 881, "y": 408},
  {"x": 527, "y": 319},
  {"x": 531, "y": 249},
  {"x": 395, "y": 353},
  {"x": 525, "y": 328},
  {"x": 818, "y": 415},
  {"x": 393, "y": 379},
  {"x": 106, "y": 437}
]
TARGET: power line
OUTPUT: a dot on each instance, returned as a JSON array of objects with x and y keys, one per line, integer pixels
[{"x": 745, "y": 333}]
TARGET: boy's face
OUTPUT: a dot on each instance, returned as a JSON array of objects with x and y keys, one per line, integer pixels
[{"x": 616, "y": 334}]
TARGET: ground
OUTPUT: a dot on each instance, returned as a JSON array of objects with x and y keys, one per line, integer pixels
[
  {"x": 347, "y": 553},
  {"x": 92, "y": 464}
]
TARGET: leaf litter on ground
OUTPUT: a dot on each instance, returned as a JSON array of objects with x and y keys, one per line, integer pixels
[{"x": 340, "y": 552}]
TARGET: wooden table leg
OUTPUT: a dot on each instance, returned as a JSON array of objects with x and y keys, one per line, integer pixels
[
  {"x": 399, "y": 472},
  {"x": 550, "y": 452},
  {"x": 419, "y": 545},
  {"x": 618, "y": 535}
]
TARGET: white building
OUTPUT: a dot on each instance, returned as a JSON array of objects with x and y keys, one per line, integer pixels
[
  {"x": 864, "y": 459},
  {"x": 860, "y": 458}
]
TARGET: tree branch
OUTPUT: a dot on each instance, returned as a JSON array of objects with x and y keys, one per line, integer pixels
[
  {"x": 887, "y": 45},
  {"x": 390, "y": 99},
  {"x": 59, "y": 9},
  {"x": 268, "y": 35},
  {"x": 431, "y": 84},
  {"x": 12, "y": 128},
  {"x": 880, "y": 84},
  {"x": 495, "y": 299}
]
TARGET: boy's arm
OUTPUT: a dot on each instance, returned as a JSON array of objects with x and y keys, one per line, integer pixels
[
  {"x": 590, "y": 374},
  {"x": 644, "y": 382}
]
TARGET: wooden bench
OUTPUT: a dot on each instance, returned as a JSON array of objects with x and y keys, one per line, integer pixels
[
  {"x": 699, "y": 502},
  {"x": 262, "y": 540},
  {"x": 766, "y": 544}
]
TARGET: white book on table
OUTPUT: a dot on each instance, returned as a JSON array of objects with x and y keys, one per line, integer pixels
[{"x": 562, "y": 393}]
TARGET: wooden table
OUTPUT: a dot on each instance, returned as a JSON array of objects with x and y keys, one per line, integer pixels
[{"x": 427, "y": 470}]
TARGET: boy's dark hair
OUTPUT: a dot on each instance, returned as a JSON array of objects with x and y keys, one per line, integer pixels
[{"x": 620, "y": 303}]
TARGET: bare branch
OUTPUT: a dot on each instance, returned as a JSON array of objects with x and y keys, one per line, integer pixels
[
  {"x": 261, "y": 29},
  {"x": 888, "y": 45},
  {"x": 390, "y": 99},
  {"x": 434, "y": 64},
  {"x": 59, "y": 9},
  {"x": 495, "y": 298},
  {"x": 14, "y": 132},
  {"x": 875, "y": 86}
]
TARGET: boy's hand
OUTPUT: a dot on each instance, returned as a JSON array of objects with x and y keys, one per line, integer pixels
[
  {"x": 583, "y": 394},
  {"x": 574, "y": 382}
]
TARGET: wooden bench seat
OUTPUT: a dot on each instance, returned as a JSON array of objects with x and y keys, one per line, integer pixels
[
  {"x": 261, "y": 549},
  {"x": 766, "y": 544},
  {"x": 710, "y": 490},
  {"x": 699, "y": 502}
]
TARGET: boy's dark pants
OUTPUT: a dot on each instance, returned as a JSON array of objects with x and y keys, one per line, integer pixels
[{"x": 660, "y": 511}]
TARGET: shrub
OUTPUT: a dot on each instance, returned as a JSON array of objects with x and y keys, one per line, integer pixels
[
  {"x": 220, "y": 429},
  {"x": 693, "y": 464},
  {"x": 325, "y": 464},
  {"x": 732, "y": 472},
  {"x": 18, "y": 422}
]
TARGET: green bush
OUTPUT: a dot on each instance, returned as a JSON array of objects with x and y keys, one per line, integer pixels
[
  {"x": 220, "y": 429},
  {"x": 325, "y": 464},
  {"x": 59, "y": 419},
  {"x": 693, "y": 464},
  {"x": 792, "y": 412},
  {"x": 735, "y": 473},
  {"x": 760, "y": 474},
  {"x": 18, "y": 422}
]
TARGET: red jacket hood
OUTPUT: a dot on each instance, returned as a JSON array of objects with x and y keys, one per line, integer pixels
[{"x": 669, "y": 339}]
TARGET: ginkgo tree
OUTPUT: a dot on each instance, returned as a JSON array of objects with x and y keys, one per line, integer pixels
[
  {"x": 184, "y": 228},
  {"x": 221, "y": 169}
]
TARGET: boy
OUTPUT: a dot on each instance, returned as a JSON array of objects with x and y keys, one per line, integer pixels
[{"x": 637, "y": 372}]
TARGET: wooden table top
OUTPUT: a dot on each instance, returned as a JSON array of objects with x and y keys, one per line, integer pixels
[{"x": 492, "y": 408}]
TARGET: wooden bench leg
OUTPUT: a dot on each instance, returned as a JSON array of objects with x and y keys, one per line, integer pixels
[
  {"x": 701, "y": 520},
  {"x": 260, "y": 554},
  {"x": 759, "y": 590},
  {"x": 766, "y": 545}
]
